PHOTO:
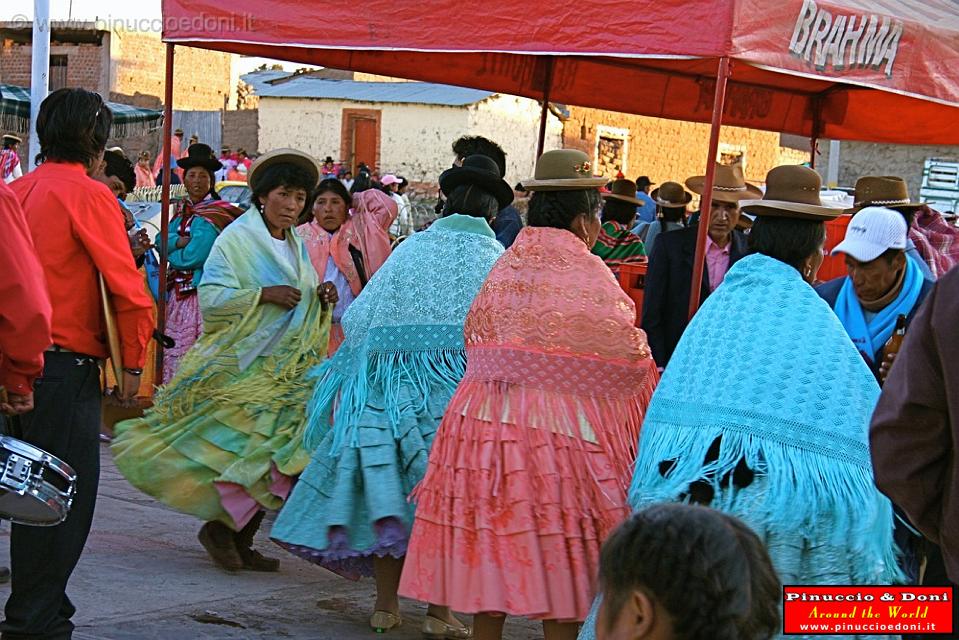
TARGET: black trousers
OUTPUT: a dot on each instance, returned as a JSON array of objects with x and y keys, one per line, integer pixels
[
  {"x": 936, "y": 576},
  {"x": 65, "y": 422}
]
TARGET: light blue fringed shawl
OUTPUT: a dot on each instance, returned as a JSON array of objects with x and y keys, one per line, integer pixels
[
  {"x": 405, "y": 329},
  {"x": 767, "y": 365}
]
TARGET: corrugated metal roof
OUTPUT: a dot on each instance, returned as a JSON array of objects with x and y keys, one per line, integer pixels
[
  {"x": 408, "y": 92},
  {"x": 260, "y": 80}
]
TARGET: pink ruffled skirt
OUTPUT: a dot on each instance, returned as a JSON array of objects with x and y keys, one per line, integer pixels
[
  {"x": 184, "y": 324},
  {"x": 517, "y": 501}
]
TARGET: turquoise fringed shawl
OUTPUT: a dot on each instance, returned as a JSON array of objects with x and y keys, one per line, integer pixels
[
  {"x": 767, "y": 366},
  {"x": 405, "y": 330}
]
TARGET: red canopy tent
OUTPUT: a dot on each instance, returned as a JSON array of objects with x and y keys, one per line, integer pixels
[{"x": 879, "y": 70}]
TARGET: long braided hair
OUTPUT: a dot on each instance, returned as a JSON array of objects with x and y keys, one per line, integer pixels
[
  {"x": 707, "y": 569},
  {"x": 619, "y": 211},
  {"x": 558, "y": 209},
  {"x": 671, "y": 214}
]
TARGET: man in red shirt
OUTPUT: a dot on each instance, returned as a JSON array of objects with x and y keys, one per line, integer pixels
[
  {"x": 77, "y": 230},
  {"x": 25, "y": 314}
]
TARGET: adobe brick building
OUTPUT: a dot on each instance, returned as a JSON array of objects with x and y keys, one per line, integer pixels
[
  {"x": 122, "y": 66},
  {"x": 636, "y": 145},
  {"x": 857, "y": 159},
  {"x": 672, "y": 149}
]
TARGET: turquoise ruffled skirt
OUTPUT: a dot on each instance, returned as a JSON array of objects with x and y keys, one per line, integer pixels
[{"x": 350, "y": 505}]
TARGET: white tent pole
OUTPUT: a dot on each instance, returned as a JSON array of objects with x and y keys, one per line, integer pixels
[
  {"x": 40, "y": 70},
  {"x": 832, "y": 169}
]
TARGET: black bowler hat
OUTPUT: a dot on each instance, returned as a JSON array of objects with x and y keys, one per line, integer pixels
[
  {"x": 481, "y": 171},
  {"x": 200, "y": 155}
]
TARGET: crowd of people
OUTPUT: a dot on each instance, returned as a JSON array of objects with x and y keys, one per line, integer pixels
[{"x": 478, "y": 417}]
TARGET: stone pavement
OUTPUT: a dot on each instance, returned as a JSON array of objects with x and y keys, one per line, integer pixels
[{"x": 144, "y": 576}]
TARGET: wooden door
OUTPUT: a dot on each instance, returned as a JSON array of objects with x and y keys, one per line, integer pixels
[{"x": 364, "y": 142}]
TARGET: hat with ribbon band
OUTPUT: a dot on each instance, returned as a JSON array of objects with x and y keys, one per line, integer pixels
[
  {"x": 729, "y": 185},
  {"x": 792, "y": 191},
  {"x": 671, "y": 195},
  {"x": 882, "y": 191},
  {"x": 563, "y": 170}
]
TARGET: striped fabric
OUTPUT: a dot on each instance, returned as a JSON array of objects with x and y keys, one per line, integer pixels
[
  {"x": 617, "y": 245},
  {"x": 936, "y": 240},
  {"x": 127, "y": 120}
]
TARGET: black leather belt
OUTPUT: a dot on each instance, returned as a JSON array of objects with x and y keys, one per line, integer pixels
[
  {"x": 58, "y": 349},
  {"x": 82, "y": 358}
]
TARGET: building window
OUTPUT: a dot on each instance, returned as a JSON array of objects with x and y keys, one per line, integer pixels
[
  {"x": 732, "y": 154},
  {"x": 58, "y": 72},
  {"x": 611, "y": 155}
]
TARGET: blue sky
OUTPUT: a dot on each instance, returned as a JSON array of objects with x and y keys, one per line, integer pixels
[
  {"x": 107, "y": 10},
  {"x": 83, "y": 9}
]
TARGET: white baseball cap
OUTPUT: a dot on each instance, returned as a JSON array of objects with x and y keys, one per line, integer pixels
[{"x": 872, "y": 232}]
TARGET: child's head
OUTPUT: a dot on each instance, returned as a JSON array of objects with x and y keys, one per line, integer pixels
[{"x": 679, "y": 572}]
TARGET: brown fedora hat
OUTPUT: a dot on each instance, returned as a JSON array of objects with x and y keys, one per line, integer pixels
[
  {"x": 792, "y": 191},
  {"x": 671, "y": 195},
  {"x": 563, "y": 170},
  {"x": 729, "y": 185},
  {"x": 882, "y": 191},
  {"x": 624, "y": 190}
]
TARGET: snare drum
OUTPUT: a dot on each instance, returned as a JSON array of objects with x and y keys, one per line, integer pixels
[{"x": 36, "y": 488}]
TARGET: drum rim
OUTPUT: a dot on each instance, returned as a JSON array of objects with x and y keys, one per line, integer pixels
[
  {"x": 36, "y": 489},
  {"x": 57, "y": 505},
  {"x": 36, "y": 454}
]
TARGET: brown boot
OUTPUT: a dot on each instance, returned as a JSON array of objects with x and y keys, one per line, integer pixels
[
  {"x": 253, "y": 560},
  {"x": 218, "y": 541}
]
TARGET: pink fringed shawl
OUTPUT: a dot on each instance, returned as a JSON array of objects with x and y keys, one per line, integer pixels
[
  {"x": 529, "y": 470},
  {"x": 552, "y": 323},
  {"x": 366, "y": 229}
]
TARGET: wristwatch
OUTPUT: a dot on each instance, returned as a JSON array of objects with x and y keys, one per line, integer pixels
[{"x": 134, "y": 372}]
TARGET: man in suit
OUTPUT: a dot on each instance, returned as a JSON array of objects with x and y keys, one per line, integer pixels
[{"x": 668, "y": 281}]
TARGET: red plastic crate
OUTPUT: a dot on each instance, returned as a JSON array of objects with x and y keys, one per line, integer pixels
[
  {"x": 834, "y": 266},
  {"x": 632, "y": 278}
]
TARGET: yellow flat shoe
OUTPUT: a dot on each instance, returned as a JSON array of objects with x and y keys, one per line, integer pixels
[
  {"x": 383, "y": 621},
  {"x": 436, "y": 629}
]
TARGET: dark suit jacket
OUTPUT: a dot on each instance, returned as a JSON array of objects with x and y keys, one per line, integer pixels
[
  {"x": 507, "y": 226},
  {"x": 666, "y": 297},
  {"x": 916, "y": 425},
  {"x": 829, "y": 291}
]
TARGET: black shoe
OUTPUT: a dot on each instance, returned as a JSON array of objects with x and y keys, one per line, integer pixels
[{"x": 253, "y": 560}]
